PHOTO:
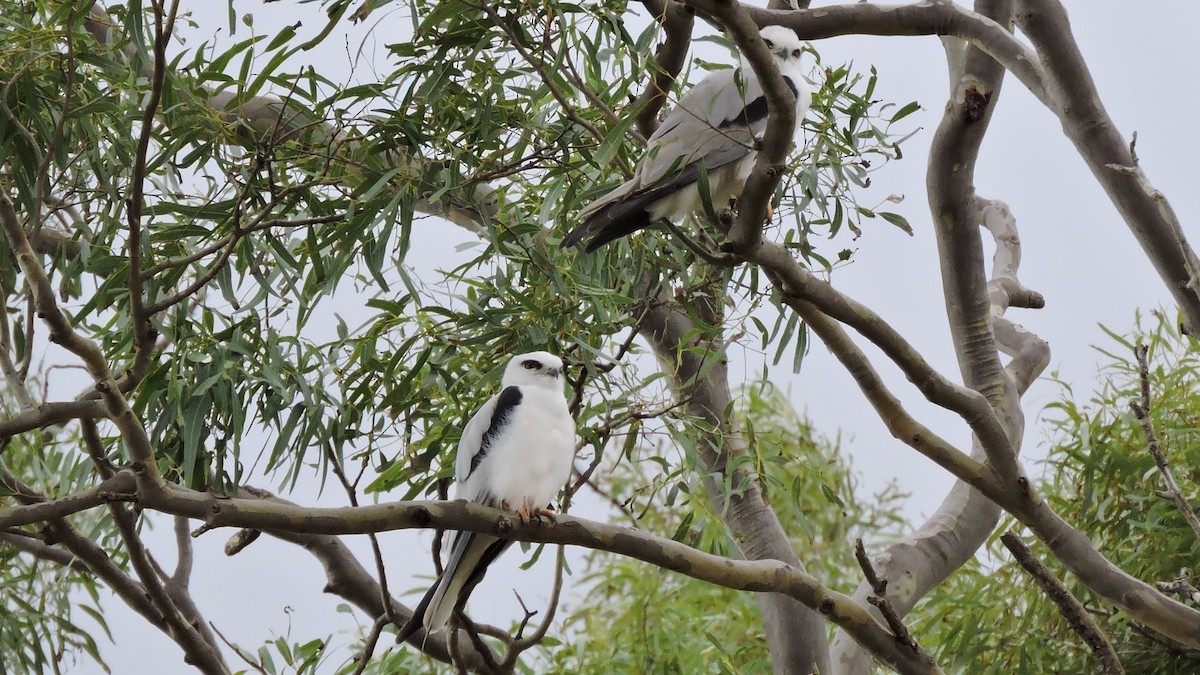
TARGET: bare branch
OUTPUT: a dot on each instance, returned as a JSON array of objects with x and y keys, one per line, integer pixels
[
  {"x": 1182, "y": 586},
  {"x": 766, "y": 575},
  {"x": 1070, "y": 607},
  {"x": 143, "y": 333},
  {"x": 795, "y": 635},
  {"x": 118, "y": 488},
  {"x": 61, "y": 331},
  {"x": 930, "y": 17},
  {"x": 36, "y": 548},
  {"x": 50, "y": 415},
  {"x": 199, "y": 648},
  {"x": 669, "y": 58},
  {"x": 346, "y": 577},
  {"x": 880, "y": 599},
  {"x": 1089, "y": 126},
  {"x": 364, "y": 656},
  {"x": 770, "y": 165},
  {"x": 1142, "y": 412}
]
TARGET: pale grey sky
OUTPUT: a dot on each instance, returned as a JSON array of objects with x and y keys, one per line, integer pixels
[{"x": 1077, "y": 252}]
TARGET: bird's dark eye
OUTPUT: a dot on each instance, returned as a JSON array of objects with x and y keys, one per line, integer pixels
[
  {"x": 795, "y": 53},
  {"x": 770, "y": 45},
  {"x": 531, "y": 365}
]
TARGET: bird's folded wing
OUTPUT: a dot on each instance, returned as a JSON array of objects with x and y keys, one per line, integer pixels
[{"x": 703, "y": 125}]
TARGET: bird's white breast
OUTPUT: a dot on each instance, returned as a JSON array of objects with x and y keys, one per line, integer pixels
[{"x": 532, "y": 458}]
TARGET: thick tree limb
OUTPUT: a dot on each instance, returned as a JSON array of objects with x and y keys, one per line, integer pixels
[
  {"x": 52, "y": 414},
  {"x": 950, "y": 180},
  {"x": 1109, "y": 156},
  {"x": 931, "y": 17},
  {"x": 966, "y": 517},
  {"x": 805, "y": 293},
  {"x": 677, "y": 21},
  {"x": 768, "y": 575},
  {"x": 770, "y": 164},
  {"x": 795, "y": 635}
]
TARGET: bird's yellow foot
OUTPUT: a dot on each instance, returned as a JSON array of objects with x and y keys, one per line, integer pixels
[
  {"x": 526, "y": 514},
  {"x": 551, "y": 518},
  {"x": 770, "y": 213}
]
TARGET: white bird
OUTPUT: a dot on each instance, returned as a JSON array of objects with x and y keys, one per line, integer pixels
[
  {"x": 515, "y": 454},
  {"x": 712, "y": 129}
]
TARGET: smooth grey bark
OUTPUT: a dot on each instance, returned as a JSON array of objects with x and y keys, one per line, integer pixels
[{"x": 795, "y": 634}]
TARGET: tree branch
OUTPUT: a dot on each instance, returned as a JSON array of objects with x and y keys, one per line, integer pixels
[
  {"x": 795, "y": 635},
  {"x": 349, "y": 580},
  {"x": 118, "y": 488},
  {"x": 1088, "y": 125},
  {"x": 1142, "y": 412},
  {"x": 677, "y": 22},
  {"x": 1070, "y": 607},
  {"x": 771, "y": 576},
  {"x": 929, "y": 17},
  {"x": 51, "y": 414}
]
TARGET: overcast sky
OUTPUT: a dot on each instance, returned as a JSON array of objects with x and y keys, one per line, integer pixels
[{"x": 1077, "y": 252}]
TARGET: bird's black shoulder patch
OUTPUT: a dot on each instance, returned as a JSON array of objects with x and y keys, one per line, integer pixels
[
  {"x": 506, "y": 403},
  {"x": 756, "y": 110}
]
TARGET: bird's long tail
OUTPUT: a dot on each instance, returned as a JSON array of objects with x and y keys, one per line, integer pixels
[{"x": 470, "y": 558}]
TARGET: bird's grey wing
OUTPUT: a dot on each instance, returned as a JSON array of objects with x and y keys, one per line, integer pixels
[{"x": 699, "y": 127}]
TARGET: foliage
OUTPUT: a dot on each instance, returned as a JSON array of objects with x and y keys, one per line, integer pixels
[
  {"x": 810, "y": 486},
  {"x": 1101, "y": 477},
  {"x": 277, "y": 213}
]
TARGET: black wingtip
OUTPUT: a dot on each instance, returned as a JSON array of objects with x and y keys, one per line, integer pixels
[{"x": 606, "y": 227}]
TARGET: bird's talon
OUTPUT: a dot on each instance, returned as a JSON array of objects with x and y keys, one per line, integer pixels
[{"x": 551, "y": 518}]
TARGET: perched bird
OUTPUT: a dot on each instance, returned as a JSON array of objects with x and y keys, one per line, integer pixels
[
  {"x": 712, "y": 129},
  {"x": 515, "y": 454}
]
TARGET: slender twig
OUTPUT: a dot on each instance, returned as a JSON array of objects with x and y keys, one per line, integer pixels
[
  {"x": 540, "y": 69},
  {"x": 14, "y": 379},
  {"x": 1070, "y": 607},
  {"x": 364, "y": 656},
  {"x": 336, "y": 463},
  {"x": 143, "y": 334},
  {"x": 522, "y": 644},
  {"x": 880, "y": 599},
  {"x": 249, "y": 660},
  {"x": 1182, "y": 586},
  {"x": 1142, "y": 412}
]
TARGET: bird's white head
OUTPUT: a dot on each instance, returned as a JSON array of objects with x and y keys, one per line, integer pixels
[
  {"x": 783, "y": 43},
  {"x": 538, "y": 369}
]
